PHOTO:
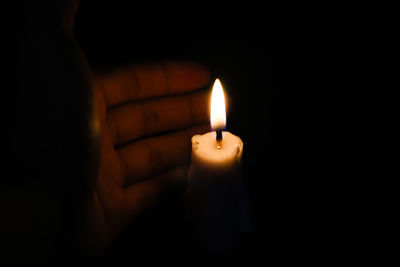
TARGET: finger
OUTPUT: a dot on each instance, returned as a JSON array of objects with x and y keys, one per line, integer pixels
[
  {"x": 149, "y": 80},
  {"x": 151, "y": 156},
  {"x": 145, "y": 194},
  {"x": 139, "y": 119}
]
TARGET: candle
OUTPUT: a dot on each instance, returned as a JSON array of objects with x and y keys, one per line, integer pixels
[
  {"x": 217, "y": 151},
  {"x": 215, "y": 198}
]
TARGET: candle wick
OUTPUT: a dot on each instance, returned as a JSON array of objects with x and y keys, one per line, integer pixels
[
  {"x": 219, "y": 134},
  {"x": 219, "y": 138}
]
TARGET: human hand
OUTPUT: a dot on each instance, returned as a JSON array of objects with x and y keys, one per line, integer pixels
[{"x": 147, "y": 115}]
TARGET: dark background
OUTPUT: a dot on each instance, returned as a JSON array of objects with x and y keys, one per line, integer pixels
[{"x": 314, "y": 95}]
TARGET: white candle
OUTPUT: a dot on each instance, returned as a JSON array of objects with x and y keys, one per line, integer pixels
[
  {"x": 214, "y": 156},
  {"x": 207, "y": 151},
  {"x": 215, "y": 199}
]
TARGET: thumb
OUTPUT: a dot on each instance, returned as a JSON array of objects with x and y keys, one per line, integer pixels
[
  {"x": 51, "y": 13},
  {"x": 67, "y": 16}
]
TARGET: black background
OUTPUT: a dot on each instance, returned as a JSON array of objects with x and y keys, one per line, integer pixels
[
  {"x": 314, "y": 96},
  {"x": 313, "y": 93}
]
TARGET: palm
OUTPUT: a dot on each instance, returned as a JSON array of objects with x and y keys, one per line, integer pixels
[{"x": 147, "y": 115}]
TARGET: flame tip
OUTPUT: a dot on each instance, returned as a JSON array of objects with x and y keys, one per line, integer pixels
[{"x": 218, "y": 114}]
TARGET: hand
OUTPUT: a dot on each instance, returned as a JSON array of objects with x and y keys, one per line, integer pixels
[{"x": 147, "y": 115}]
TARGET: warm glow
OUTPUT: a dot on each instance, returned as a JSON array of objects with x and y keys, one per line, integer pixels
[{"x": 217, "y": 115}]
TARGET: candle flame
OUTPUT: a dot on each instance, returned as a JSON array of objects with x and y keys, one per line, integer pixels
[{"x": 217, "y": 114}]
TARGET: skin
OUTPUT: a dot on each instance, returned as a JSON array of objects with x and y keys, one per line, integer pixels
[
  {"x": 122, "y": 138},
  {"x": 147, "y": 115}
]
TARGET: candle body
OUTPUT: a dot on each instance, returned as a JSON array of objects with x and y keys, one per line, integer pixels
[
  {"x": 217, "y": 157},
  {"x": 216, "y": 203}
]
